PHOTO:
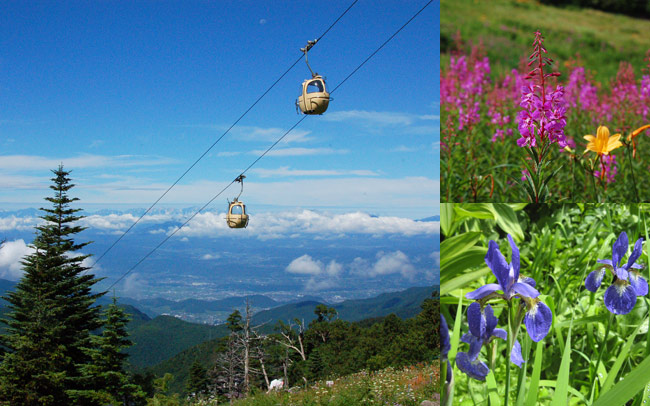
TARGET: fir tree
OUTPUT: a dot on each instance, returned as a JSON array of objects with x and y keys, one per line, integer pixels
[
  {"x": 106, "y": 370},
  {"x": 51, "y": 311},
  {"x": 198, "y": 382}
]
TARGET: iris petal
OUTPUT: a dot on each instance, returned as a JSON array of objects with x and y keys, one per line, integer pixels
[
  {"x": 476, "y": 369},
  {"x": 526, "y": 279},
  {"x": 515, "y": 257},
  {"x": 619, "y": 249},
  {"x": 622, "y": 274},
  {"x": 636, "y": 253},
  {"x": 639, "y": 284},
  {"x": 606, "y": 262},
  {"x": 594, "y": 279},
  {"x": 620, "y": 297},
  {"x": 445, "y": 344},
  {"x": 483, "y": 291},
  {"x": 525, "y": 289},
  {"x": 476, "y": 320},
  {"x": 500, "y": 333},
  {"x": 515, "y": 355},
  {"x": 538, "y": 321},
  {"x": 490, "y": 321},
  {"x": 497, "y": 263}
]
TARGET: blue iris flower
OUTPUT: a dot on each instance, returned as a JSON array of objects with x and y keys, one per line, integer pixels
[
  {"x": 445, "y": 345},
  {"x": 538, "y": 317},
  {"x": 620, "y": 296},
  {"x": 482, "y": 327}
]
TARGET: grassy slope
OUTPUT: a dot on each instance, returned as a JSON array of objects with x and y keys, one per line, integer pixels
[
  {"x": 507, "y": 28},
  {"x": 409, "y": 386}
]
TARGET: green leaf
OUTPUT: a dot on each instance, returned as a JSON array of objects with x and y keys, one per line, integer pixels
[
  {"x": 562, "y": 386},
  {"x": 471, "y": 258},
  {"x": 475, "y": 210},
  {"x": 455, "y": 335},
  {"x": 507, "y": 220},
  {"x": 462, "y": 280},
  {"x": 493, "y": 392},
  {"x": 452, "y": 247},
  {"x": 627, "y": 388},
  {"x": 447, "y": 217},
  {"x": 531, "y": 400},
  {"x": 622, "y": 356}
]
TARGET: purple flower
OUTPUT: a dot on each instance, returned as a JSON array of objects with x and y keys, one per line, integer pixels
[
  {"x": 538, "y": 316},
  {"x": 482, "y": 327},
  {"x": 445, "y": 345},
  {"x": 507, "y": 275},
  {"x": 620, "y": 296}
]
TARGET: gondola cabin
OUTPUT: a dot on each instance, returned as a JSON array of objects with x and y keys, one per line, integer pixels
[
  {"x": 237, "y": 217},
  {"x": 314, "y": 98}
]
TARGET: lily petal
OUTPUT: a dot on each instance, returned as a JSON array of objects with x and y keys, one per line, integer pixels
[
  {"x": 620, "y": 297},
  {"x": 612, "y": 143},
  {"x": 483, "y": 291},
  {"x": 594, "y": 279},
  {"x": 538, "y": 321}
]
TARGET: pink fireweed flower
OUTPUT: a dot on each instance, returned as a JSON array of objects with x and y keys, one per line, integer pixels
[{"x": 544, "y": 116}]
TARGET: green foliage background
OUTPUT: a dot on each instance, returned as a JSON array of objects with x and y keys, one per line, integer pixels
[{"x": 559, "y": 246}]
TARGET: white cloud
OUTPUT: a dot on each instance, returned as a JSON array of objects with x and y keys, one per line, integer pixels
[
  {"x": 262, "y": 21},
  {"x": 208, "y": 257},
  {"x": 283, "y": 224},
  {"x": 133, "y": 285},
  {"x": 19, "y": 223},
  {"x": 35, "y": 162},
  {"x": 305, "y": 265},
  {"x": 11, "y": 253},
  {"x": 391, "y": 263},
  {"x": 404, "y": 148}
]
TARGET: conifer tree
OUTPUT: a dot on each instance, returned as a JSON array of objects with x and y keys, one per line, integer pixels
[
  {"x": 197, "y": 382},
  {"x": 106, "y": 372},
  {"x": 51, "y": 312}
]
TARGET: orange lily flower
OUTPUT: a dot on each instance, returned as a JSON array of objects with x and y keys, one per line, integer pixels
[
  {"x": 602, "y": 143},
  {"x": 632, "y": 136}
]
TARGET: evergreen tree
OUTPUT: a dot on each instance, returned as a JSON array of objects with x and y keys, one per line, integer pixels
[
  {"x": 198, "y": 382},
  {"x": 51, "y": 311},
  {"x": 106, "y": 370}
]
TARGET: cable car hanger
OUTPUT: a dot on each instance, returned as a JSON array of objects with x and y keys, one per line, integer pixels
[
  {"x": 314, "y": 98},
  {"x": 237, "y": 220}
]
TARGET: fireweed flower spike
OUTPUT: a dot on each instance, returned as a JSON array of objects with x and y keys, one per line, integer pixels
[
  {"x": 620, "y": 297},
  {"x": 482, "y": 329},
  {"x": 538, "y": 316}
]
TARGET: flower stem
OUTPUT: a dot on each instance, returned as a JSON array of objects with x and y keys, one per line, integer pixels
[
  {"x": 510, "y": 344},
  {"x": 602, "y": 348},
  {"x": 629, "y": 155}
]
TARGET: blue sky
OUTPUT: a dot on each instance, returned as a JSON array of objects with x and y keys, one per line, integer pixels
[{"x": 128, "y": 94}]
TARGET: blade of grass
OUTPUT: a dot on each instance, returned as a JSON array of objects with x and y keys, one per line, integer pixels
[
  {"x": 625, "y": 389},
  {"x": 531, "y": 400},
  {"x": 622, "y": 356},
  {"x": 493, "y": 392},
  {"x": 562, "y": 386}
]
